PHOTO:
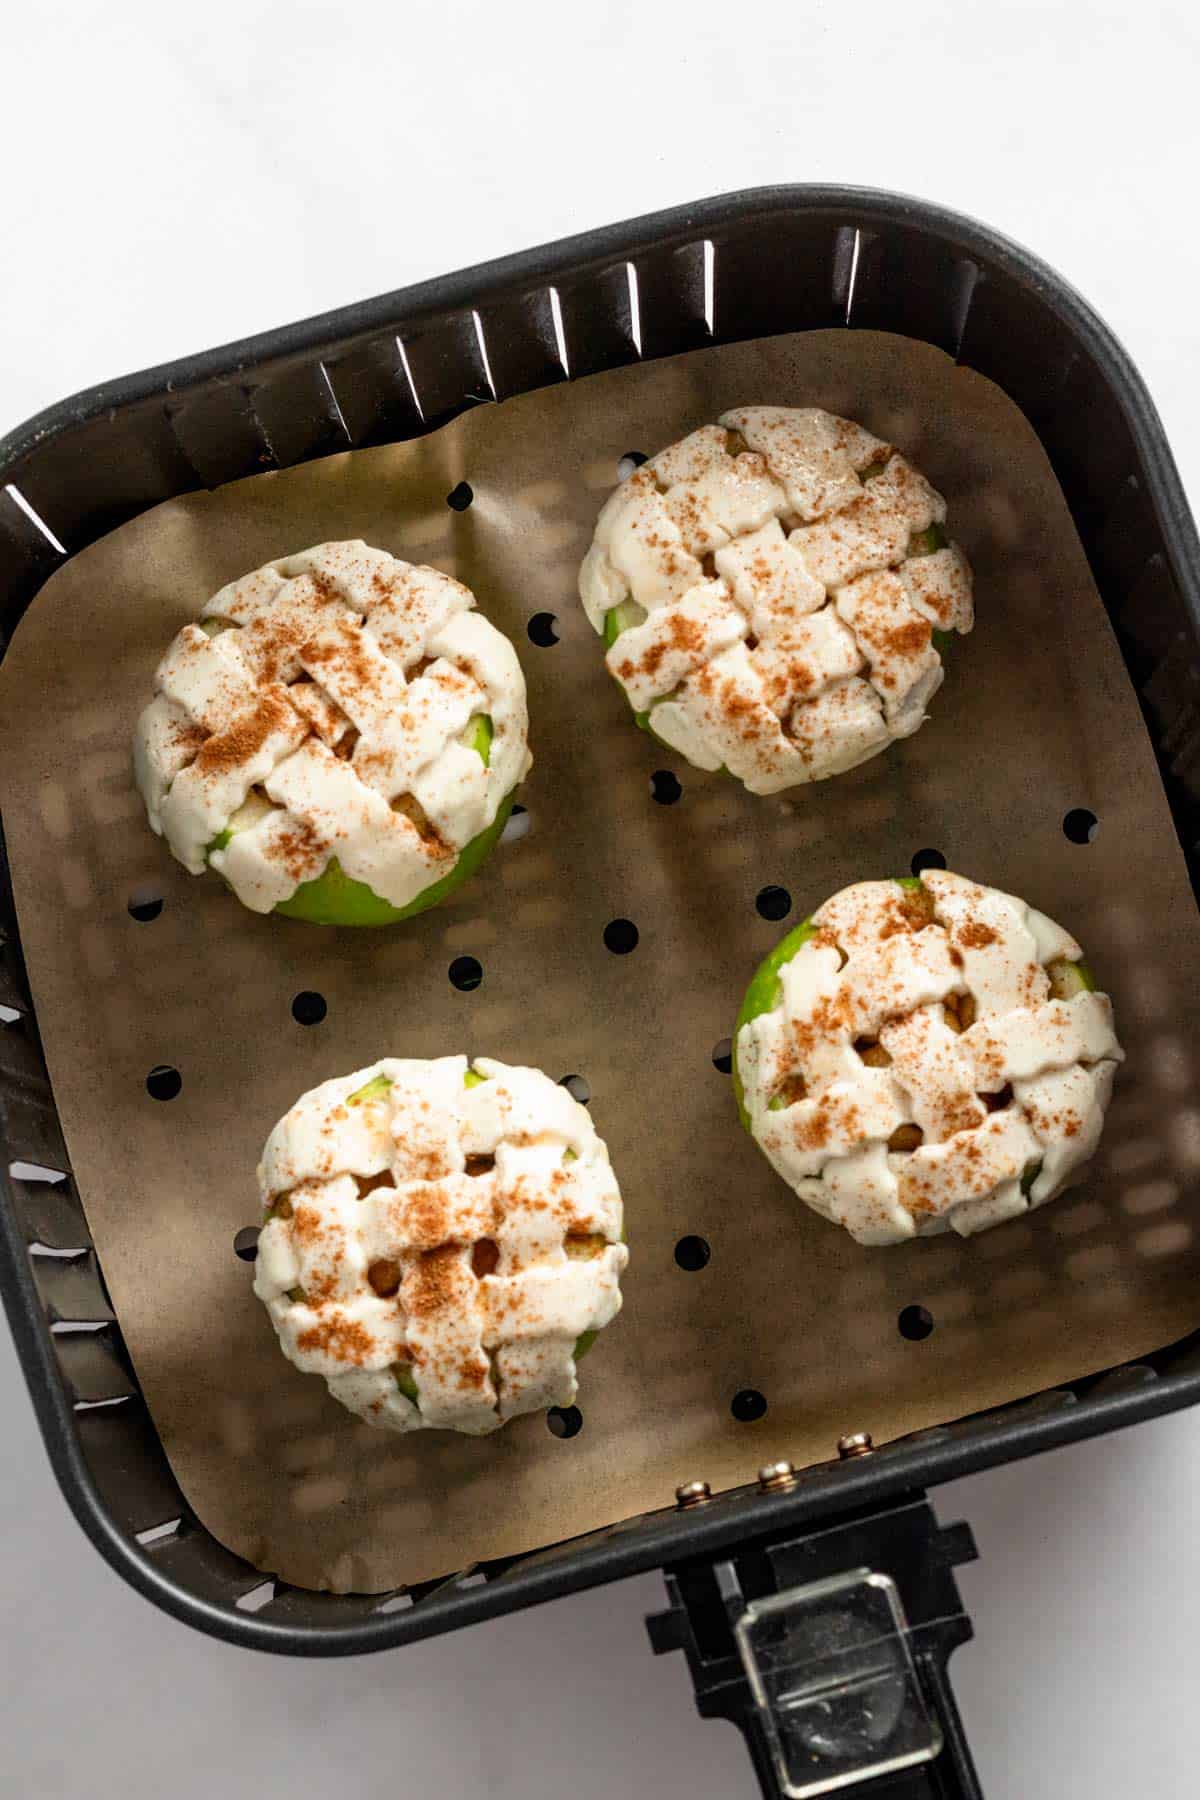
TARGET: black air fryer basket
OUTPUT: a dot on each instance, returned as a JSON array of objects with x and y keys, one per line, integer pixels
[{"x": 817, "y": 1612}]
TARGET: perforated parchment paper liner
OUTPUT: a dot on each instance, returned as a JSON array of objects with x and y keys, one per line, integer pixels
[{"x": 1036, "y": 717}]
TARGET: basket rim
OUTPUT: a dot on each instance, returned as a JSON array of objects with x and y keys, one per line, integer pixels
[
  {"x": 462, "y": 289},
  {"x": 667, "y": 1536}
]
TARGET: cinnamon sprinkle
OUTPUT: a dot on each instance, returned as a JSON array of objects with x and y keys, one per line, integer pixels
[
  {"x": 975, "y": 935},
  {"x": 231, "y": 750},
  {"x": 346, "y": 1339},
  {"x": 434, "y": 1281}
]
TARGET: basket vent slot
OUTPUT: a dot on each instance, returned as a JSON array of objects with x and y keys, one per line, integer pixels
[
  {"x": 483, "y": 355},
  {"x": 257, "y": 1597},
  {"x": 35, "y": 1172},
  {"x": 35, "y": 519},
  {"x": 560, "y": 336},
  {"x": 408, "y": 376},
  {"x": 158, "y": 1534},
  {"x": 398, "y": 1602},
  {"x": 635, "y": 309}
]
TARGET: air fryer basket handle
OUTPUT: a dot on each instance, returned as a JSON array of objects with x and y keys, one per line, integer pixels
[
  {"x": 950, "y": 1776},
  {"x": 829, "y": 1653}
]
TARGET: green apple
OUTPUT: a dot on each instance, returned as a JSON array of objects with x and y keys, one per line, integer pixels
[
  {"x": 924, "y": 543},
  {"x": 586, "y": 1339},
  {"x": 1070, "y": 978},
  {"x": 256, "y": 806},
  {"x": 404, "y": 1381},
  {"x": 478, "y": 737},
  {"x": 379, "y": 1085},
  {"x": 373, "y": 1090},
  {"x": 334, "y": 898},
  {"x": 620, "y": 618},
  {"x": 766, "y": 991},
  {"x": 873, "y": 469},
  {"x": 616, "y": 620}
]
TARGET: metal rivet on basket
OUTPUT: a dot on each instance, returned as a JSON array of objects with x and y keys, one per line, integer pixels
[
  {"x": 855, "y": 1443},
  {"x": 775, "y": 1477},
  {"x": 692, "y": 1493}
]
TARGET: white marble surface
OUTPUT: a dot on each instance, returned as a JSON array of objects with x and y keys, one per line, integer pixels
[{"x": 179, "y": 176}]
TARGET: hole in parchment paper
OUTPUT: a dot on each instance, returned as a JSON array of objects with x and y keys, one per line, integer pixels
[
  {"x": 145, "y": 903},
  {"x": 564, "y": 1421},
  {"x": 163, "y": 1082},
  {"x": 577, "y": 1087},
  {"x": 665, "y": 787},
  {"x": 692, "y": 1253},
  {"x": 747, "y": 1405},
  {"x": 620, "y": 936},
  {"x": 309, "y": 1008},
  {"x": 460, "y": 497},
  {"x": 773, "y": 902},
  {"x": 915, "y": 1323},
  {"x": 518, "y": 825},
  {"x": 466, "y": 972},
  {"x": 722, "y": 1055},
  {"x": 245, "y": 1242},
  {"x": 632, "y": 459},
  {"x": 927, "y": 859},
  {"x": 543, "y": 630},
  {"x": 1080, "y": 825}
]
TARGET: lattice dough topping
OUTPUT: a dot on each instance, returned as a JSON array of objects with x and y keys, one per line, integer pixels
[
  {"x": 776, "y": 581},
  {"x": 325, "y": 703},
  {"x": 918, "y": 1070},
  {"x": 438, "y": 1239}
]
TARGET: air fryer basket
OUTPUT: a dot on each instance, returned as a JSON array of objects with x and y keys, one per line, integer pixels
[{"x": 752, "y": 265}]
